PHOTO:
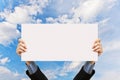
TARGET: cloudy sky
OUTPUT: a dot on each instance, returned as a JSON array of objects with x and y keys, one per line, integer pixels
[{"x": 13, "y": 13}]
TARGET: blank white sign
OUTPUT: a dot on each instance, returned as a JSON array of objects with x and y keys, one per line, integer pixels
[{"x": 59, "y": 42}]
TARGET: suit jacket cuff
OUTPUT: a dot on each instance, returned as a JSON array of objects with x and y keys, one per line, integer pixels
[
  {"x": 32, "y": 68},
  {"x": 82, "y": 75},
  {"x": 38, "y": 75},
  {"x": 88, "y": 67}
]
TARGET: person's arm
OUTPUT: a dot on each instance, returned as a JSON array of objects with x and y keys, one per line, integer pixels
[
  {"x": 87, "y": 70},
  {"x": 89, "y": 65},
  {"x": 33, "y": 70}
]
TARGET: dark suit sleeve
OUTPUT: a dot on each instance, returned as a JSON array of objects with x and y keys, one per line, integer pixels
[
  {"x": 38, "y": 75},
  {"x": 82, "y": 75}
]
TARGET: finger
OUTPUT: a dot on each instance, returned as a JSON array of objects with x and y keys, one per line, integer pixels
[
  {"x": 95, "y": 48},
  {"x": 19, "y": 47},
  {"x": 22, "y": 45},
  {"x": 98, "y": 50},
  {"x": 96, "y": 44},
  {"x": 19, "y": 52},
  {"x": 22, "y": 48}
]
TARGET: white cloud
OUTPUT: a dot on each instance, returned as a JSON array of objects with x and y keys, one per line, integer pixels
[
  {"x": 51, "y": 74},
  {"x": 88, "y": 10},
  {"x": 109, "y": 75},
  {"x": 64, "y": 19},
  {"x": 104, "y": 26},
  {"x": 4, "y": 60},
  {"x": 38, "y": 21},
  {"x": 20, "y": 15},
  {"x": 62, "y": 71},
  {"x": 104, "y": 21},
  {"x": 8, "y": 32},
  {"x": 85, "y": 11},
  {"x": 6, "y": 74},
  {"x": 25, "y": 79},
  {"x": 63, "y": 6},
  {"x": 60, "y": 19},
  {"x": 112, "y": 46},
  {"x": 71, "y": 66},
  {"x": 37, "y": 6},
  {"x": 24, "y": 13}
]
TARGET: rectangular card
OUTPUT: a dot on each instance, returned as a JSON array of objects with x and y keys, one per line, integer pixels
[{"x": 59, "y": 42}]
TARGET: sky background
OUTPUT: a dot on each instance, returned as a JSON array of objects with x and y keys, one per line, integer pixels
[{"x": 106, "y": 13}]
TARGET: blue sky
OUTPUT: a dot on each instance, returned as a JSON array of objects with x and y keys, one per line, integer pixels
[{"x": 15, "y": 12}]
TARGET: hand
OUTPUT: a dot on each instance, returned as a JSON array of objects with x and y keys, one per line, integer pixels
[
  {"x": 21, "y": 48},
  {"x": 97, "y": 47}
]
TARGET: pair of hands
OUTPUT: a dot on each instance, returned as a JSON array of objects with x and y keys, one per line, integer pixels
[{"x": 21, "y": 48}]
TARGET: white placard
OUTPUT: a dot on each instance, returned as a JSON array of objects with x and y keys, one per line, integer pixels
[{"x": 59, "y": 42}]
